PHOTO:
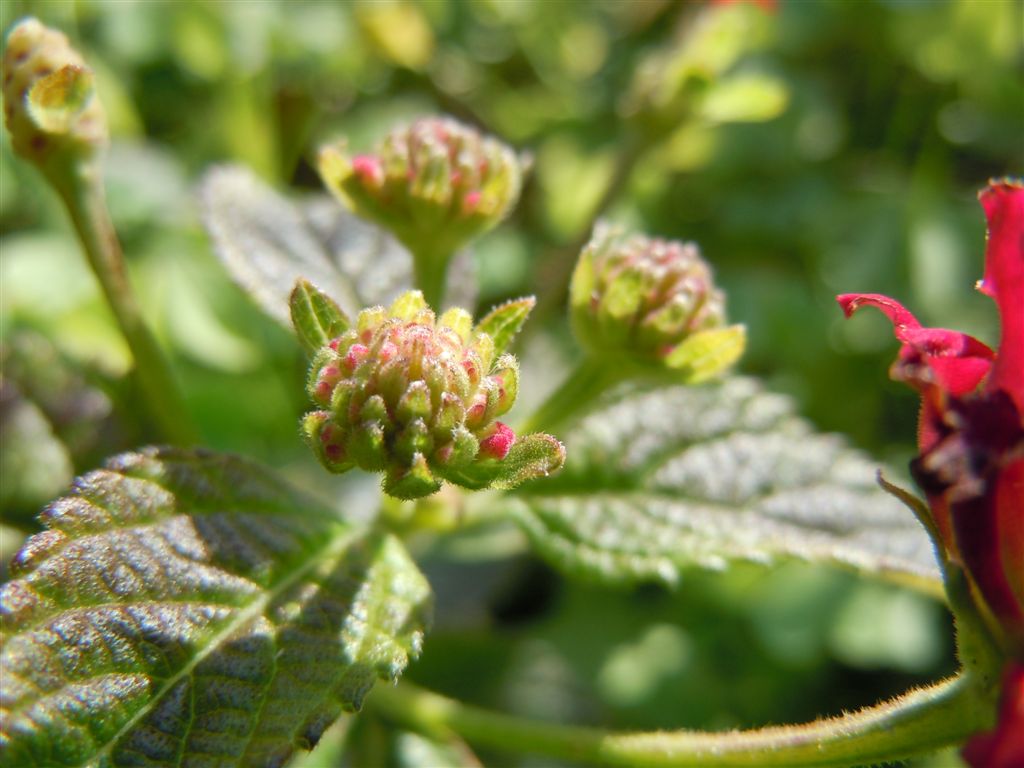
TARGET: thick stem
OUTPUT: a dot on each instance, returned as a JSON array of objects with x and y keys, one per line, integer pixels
[
  {"x": 916, "y": 723},
  {"x": 83, "y": 195},
  {"x": 585, "y": 383}
]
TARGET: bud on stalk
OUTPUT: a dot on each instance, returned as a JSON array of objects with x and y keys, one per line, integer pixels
[
  {"x": 435, "y": 184},
  {"x": 653, "y": 303},
  {"x": 50, "y": 103}
]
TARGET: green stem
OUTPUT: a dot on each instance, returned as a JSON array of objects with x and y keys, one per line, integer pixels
[
  {"x": 82, "y": 191},
  {"x": 430, "y": 272},
  {"x": 917, "y": 723},
  {"x": 584, "y": 384}
]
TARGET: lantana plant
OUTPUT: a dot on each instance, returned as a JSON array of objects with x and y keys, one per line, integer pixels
[{"x": 181, "y": 606}]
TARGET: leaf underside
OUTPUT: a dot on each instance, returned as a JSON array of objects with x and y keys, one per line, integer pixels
[
  {"x": 185, "y": 607},
  {"x": 683, "y": 477},
  {"x": 267, "y": 242}
]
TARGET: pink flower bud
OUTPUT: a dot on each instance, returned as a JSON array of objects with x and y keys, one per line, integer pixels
[
  {"x": 416, "y": 398},
  {"x": 425, "y": 183},
  {"x": 640, "y": 300}
]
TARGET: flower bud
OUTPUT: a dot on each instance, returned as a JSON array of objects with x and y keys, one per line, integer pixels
[
  {"x": 418, "y": 398},
  {"x": 50, "y": 102},
  {"x": 652, "y": 302},
  {"x": 435, "y": 183}
]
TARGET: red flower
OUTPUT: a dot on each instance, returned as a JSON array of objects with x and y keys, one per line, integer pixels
[{"x": 971, "y": 429}]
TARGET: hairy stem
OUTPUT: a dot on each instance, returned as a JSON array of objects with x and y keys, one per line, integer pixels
[
  {"x": 83, "y": 195},
  {"x": 916, "y": 723},
  {"x": 585, "y": 383}
]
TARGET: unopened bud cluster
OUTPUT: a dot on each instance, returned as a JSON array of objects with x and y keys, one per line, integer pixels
[
  {"x": 434, "y": 182},
  {"x": 50, "y": 104},
  {"x": 414, "y": 396},
  {"x": 641, "y": 295}
]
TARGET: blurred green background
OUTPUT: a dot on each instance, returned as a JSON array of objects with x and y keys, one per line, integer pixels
[{"x": 810, "y": 148}]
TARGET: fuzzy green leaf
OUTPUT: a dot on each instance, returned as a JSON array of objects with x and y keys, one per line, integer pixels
[
  {"x": 531, "y": 457},
  {"x": 189, "y": 607},
  {"x": 267, "y": 242},
  {"x": 504, "y": 321},
  {"x": 682, "y": 477},
  {"x": 316, "y": 317}
]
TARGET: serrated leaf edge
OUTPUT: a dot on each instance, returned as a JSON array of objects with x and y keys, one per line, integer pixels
[
  {"x": 583, "y": 559},
  {"x": 336, "y": 546}
]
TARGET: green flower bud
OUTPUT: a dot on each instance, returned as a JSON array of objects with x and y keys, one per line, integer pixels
[
  {"x": 435, "y": 183},
  {"x": 50, "y": 102},
  {"x": 418, "y": 398},
  {"x": 652, "y": 302}
]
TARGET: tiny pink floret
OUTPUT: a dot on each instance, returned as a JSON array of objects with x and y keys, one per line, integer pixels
[
  {"x": 477, "y": 410},
  {"x": 498, "y": 444},
  {"x": 354, "y": 356},
  {"x": 471, "y": 202},
  {"x": 368, "y": 169}
]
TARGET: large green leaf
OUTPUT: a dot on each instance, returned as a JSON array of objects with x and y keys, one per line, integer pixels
[
  {"x": 189, "y": 608},
  {"x": 680, "y": 477},
  {"x": 267, "y": 242}
]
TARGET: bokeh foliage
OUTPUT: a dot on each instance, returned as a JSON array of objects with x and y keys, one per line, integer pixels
[{"x": 845, "y": 157}]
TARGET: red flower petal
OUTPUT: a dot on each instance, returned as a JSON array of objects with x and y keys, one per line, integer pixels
[
  {"x": 950, "y": 360},
  {"x": 1010, "y": 505},
  {"x": 979, "y": 528},
  {"x": 971, "y": 468},
  {"x": 899, "y": 315},
  {"x": 1004, "y": 281}
]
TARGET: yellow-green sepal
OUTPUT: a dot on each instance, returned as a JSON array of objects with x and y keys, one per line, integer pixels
[{"x": 706, "y": 354}]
